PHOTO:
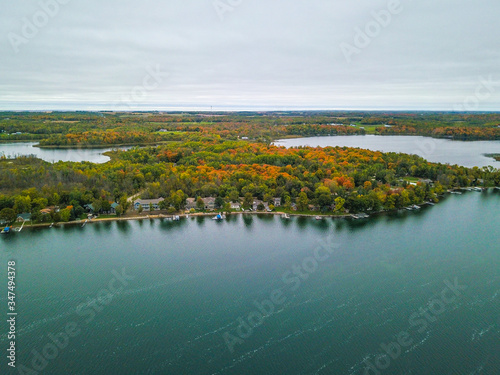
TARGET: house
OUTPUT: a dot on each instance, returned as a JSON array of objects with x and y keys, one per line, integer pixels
[
  {"x": 277, "y": 202},
  {"x": 209, "y": 203},
  {"x": 426, "y": 181},
  {"x": 89, "y": 207},
  {"x": 146, "y": 204},
  {"x": 258, "y": 202},
  {"x": 113, "y": 208},
  {"x": 190, "y": 203},
  {"x": 235, "y": 206},
  {"x": 23, "y": 217}
]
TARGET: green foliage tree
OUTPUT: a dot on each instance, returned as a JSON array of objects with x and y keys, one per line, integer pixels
[
  {"x": 8, "y": 215},
  {"x": 302, "y": 202},
  {"x": 65, "y": 215},
  {"x": 247, "y": 201},
  {"x": 105, "y": 205},
  {"x": 119, "y": 210},
  {"x": 22, "y": 204},
  {"x": 234, "y": 196},
  {"x": 339, "y": 204},
  {"x": 200, "y": 204},
  {"x": 97, "y": 204}
]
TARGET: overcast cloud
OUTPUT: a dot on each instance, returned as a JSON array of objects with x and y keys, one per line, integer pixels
[{"x": 242, "y": 54}]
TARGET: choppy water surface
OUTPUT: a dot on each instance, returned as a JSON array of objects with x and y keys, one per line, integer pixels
[{"x": 334, "y": 306}]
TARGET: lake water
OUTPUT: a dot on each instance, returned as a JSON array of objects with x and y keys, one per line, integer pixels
[
  {"x": 468, "y": 154},
  {"x": 94, "y": 155},
  {"x": 369, "y": 283}
]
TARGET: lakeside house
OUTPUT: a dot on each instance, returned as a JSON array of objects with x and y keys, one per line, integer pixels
[
  {"x": 209, "y": 203},
  {"x": 277, "y": 202},
  {"x": 113, "y": 208},
  {"x": 235, "y": 206},
  {"x": 256, "y": 204},
  {"x": 146, "y": 204},
  {"x": 190, "y": 203},
  {"x": 48, "y": 210},
  {"x": 23, "y": 217}
]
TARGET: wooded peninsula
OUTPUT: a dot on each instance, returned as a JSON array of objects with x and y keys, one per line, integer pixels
[{"x": 229, "y": 157}]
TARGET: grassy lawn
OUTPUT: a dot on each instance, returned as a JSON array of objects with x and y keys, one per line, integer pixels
[
  {"x": 369, "y": 129},
  {"x": 411, "y": 179}
]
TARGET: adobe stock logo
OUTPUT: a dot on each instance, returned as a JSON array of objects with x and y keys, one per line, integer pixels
[
  {"x": 292, "y": 279},
  {"x": 363, "y": 37},
  {"x": 31, "y": 26},
  {"x": 485, "y": 89},
  {"x": 152, "y": 79},
  {"x": 57, "y": 342},
  {"x": 224, "y": 6},
  {"x": 419, "y": 322}
]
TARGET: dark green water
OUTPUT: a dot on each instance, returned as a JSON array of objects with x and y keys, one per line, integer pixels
[{"x": 193, "y": 279}]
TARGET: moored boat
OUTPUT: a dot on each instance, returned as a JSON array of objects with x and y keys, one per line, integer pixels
[{"x": 5, "y": 230}]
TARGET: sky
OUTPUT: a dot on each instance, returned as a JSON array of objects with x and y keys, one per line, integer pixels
[{"x": 250, "y": 55}]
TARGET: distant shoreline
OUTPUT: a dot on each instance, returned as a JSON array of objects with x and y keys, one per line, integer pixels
[{"x": 83, "y": 147}]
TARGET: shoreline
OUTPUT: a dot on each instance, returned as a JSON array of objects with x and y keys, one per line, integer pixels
[
  {"x": 356, "y": 216},
  {"x": 170, "y": 217},
  {"x": 103, "y": 146}
]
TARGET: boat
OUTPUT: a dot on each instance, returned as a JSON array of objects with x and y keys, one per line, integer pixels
[
  {"x": 455, "y": 192},
  {"x": 219, "y": 216},
  {"x": 51, "y": 225},
  {"x": 176, "y": 218},
  {"x": 285, "y": 216},
  {"x": 5, "y": 230},
  {"x": 415, "y": 207},
  {"x": 477, "y": 189},
  {"x": 318, "y": 218},
  {"x": 431, "y": 203}
]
